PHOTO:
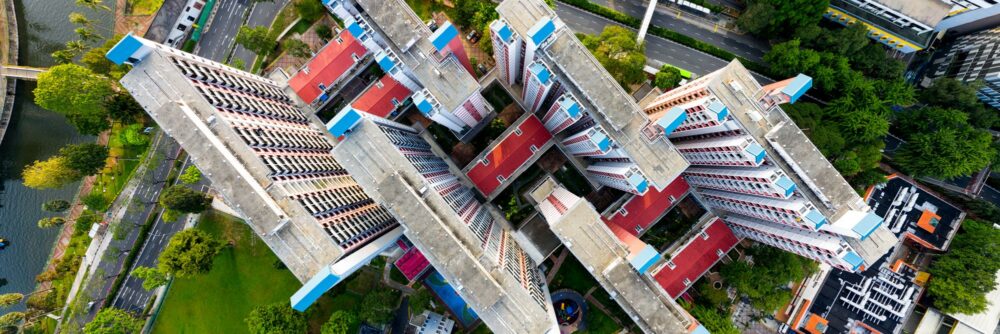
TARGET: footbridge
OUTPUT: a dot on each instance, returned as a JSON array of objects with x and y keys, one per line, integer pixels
[{"x": 21, "y": 72}]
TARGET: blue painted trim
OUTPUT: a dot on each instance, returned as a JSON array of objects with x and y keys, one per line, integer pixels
[
  {"x": 541, "y": 31},
  {"x": 385, "y": 62},
  {"x": 355, "y": 29},
  {"x": 346, "y": 120},
  {"x": 313, "y": 289},
  {"x": 853, "y": 259},
  {"x": 798, "y": 87},
  {"x": 645, "y": 259},
  {"x": 672, "y": 119},
  {"x": 124, "y": 49},
  {"x": 867, "y": 225},
  {"x": 443, "y": 35}
]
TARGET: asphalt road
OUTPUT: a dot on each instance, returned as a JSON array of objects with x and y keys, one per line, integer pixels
[
  {"x": 217, "y": 40},
  {"x": 262, "y": 14},
  {"x": 98, "y": 287},
  {"x": 132, "y": 297},
  {"x": 666, "y": 17}
]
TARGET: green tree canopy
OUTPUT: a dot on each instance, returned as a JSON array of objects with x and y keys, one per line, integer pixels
[
  {"x": 110, "y": 320},
  {"x": 189, "y": 252},
  {"x": 324, "y": 32},
  {"x": 340, "y": 322},
  {"x": 86, "y": 158},
  {"x": 258, "y": 40},
  {"x": 774, "y": 18},
  {"x": 714, "y": 320},
  {"x": 122, "y": 107},
  {"x": 297, "y": 48},
  {"x": 278, "y": 318},
  {"x": 184, "y": 199},
  {"x": 947, "y": 153},
  {"x": 77, "y": 93},
  {"x": 309, "y": 10},
  {"x": 152, "y": 278},
  {"x": 11, "y": 319},
  {"x": 49, "y": 174},
  {"x": 765, "y": 284},
  {"x": 51, "y": 222},
  {"x": 420, "y": 301},
  {"x": 56, "y": 205},
  {"x": 377, "y": 307},
  {"x": 667, "y": 78},
  {"x": 961, "y": 278},
  {"x": 617, "y": 50},
  {"x": 191, "y": 175},
  {"x": 10, "y": 299}
]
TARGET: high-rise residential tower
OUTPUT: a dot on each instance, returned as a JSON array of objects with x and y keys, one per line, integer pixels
[{"x": 267, "y": 159}]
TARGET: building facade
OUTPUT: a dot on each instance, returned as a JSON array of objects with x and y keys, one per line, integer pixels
[
  {"x": 902, "y": 25},
  {"x": 974, "y": 58}
]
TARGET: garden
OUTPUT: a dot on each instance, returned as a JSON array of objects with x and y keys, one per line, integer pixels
[{"x": 674, "y": 224}]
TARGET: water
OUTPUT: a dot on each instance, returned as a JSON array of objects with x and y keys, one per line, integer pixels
[{"x": 34, "y": 134}]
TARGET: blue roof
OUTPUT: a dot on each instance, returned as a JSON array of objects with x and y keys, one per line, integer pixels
[
  {"x": 384, "y": 61},
  {"x": 344, "y": 121},
  {"x": 541, "y": 72},
  {"x": 504, "y": 31},
  {"x": 314, "y": 288},
  {"x": 423, "y": 104},
  {"x": 444, "y": 35},
  {"x": 121, "y": 52},
  {"x": 756, "y": 151},
  {"x": 541, "y": 31},
  {"x": 701, "y": 330},
  {"x": 355, "y": 29},
  {"x": 816, "y": 218},
  {"x": 853, "y": 259},
  {"x": 644, "y": 259},
  {"x": 719, "y": 109},
  {"x": 643, "y": 186},
  {"x": 867, "y": 225},
  {"x": 672, "y": 119},
  {"x": 571, "y": 107},
  {"x": 785, "y": 183},
  {"x": 638, "y": 182},
  {"x": 798, "y": 87}
]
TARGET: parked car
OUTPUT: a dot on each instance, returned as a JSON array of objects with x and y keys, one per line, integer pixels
[
  {"x": 473, "y": 36},
  {"x": 432, "y": 25}
]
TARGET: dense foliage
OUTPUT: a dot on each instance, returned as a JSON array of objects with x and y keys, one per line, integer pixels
[
  {"x": 78, "y": 93},
  {"x": 277, "y": 318},
  {"x": 86, "y": 158},
  {"x": 183, "y": 199},
  {"x": 189, "y": 252},
  {"x": 113, "y": 321},
  {"x": 617, "y": 50},
  {"x": 766, "y": 283},
  {"x": 961, "y": 278}
]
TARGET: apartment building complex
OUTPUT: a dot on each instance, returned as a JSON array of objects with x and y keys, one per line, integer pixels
[
  {"x": 974, "y": 58},
  {"x": 265, "y": 157}
]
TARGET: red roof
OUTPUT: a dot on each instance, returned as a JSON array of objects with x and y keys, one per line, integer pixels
[
  {"x": 412, "y": 263},
  {"x": 508, "y": 155},
  {"x": 643, "y": 211},
  {"x": 377, "y": 99},
  {"x": 332, "y": 61},
  {"x": 695, "y": 258}
]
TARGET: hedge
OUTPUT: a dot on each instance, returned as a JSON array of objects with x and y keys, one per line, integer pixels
[{"x": 682, "y": 39}]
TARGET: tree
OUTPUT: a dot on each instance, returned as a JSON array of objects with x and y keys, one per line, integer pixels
[
  {"x": 309, "y": 10},
  {"x": 49, "y": 174},
  {"x": 961, "y": 278},
  {"x": 152, "y": 278},
  {"x": 951, "y": 93},
  {"x": 667, "y": 78},
  {"x": 134, "y": 135},
  {"x": 86, "y": 158},
  {"x": 77, "y": 93},
  {"x": 377, "y": 307},
  {"x": 93, "y": 4},
  {"x": 10, "y": 299},
  {"x": 43, "y": 300},
  {"x": 277, "y": 318},
  {"x": 771, "y": 18},
  {"x": 185, "y": 200},
  {"x": 844, "y": 41},
  {"x": 191, "y": 175},
  {"x": 297, "y": 48},
  {"x": 420, "y": 301},
  {"x": 56, "y": 205},
  {"x": 122, "y": 107},
  {"x": 11, "y": 319},
  {"x": 51, "y": 222},
  {"x": 617, "y": 50},
  {"x": 96, "y": 61},
  {"x": 947, "y": 153},
  {"x": 789, "y": 58},
  {"x": 765, "y": 284},
  {"x": 113, "y": 321},
  {"x": 189, "y": 252},
  {"x": 714, "y": 320},
  {"x": 340, "y": 323},
  {"x": 324, "y": 32},
  {"x": 258, "y": 40},
  {"x": 79, "y": 19}
]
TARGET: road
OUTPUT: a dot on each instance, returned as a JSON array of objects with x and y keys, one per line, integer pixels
[
  {"x": 136, "y": 211},
  {"x": 262, "y": 14},
  {"x": 217, "y": 40},
  {"x": 132, "y": 297},
  {"x": 666, "y": 17}
]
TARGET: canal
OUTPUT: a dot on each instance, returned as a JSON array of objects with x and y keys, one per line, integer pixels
[{"x": 35, "y": 134}]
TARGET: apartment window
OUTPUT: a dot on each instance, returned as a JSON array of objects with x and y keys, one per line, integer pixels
[
  {"x": 704, "y": 235},
  {"x": 395, "y": 102},
  {"x": 672, "y": 198},
  {"x": 639, "y": 229},
  {"x": 181, "y": 27},
  {"x": 501, "y": 178},
  {"x": 671, "y": 265},
  {"x": 533, "y": 148},
  {"x": 379, "y": 84},
  {"x": 719, "y": 252},
  {"x": 517, "y": 131},
  {"x": 356, "y": 59},
  {"x": 190, "y": 18},
  {"x": 340, "y": 40},
  {"x": 623, "y": 212},
  {"x": 486, "y": 162}
]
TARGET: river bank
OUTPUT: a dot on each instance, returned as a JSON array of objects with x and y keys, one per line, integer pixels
[{"x": 8, "y": 56}]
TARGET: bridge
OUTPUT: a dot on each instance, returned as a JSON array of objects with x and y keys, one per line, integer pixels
[{"x": 21, "y": 72}]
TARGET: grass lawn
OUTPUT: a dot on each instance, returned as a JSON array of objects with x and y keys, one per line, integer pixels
[
  {"x": 572, "y": 275},
  {"x": 599, "y": 322},
  {"x": 145, "y": 7},
  {"x": 122, "y": 161},
  {"x": 242, "y": 277},
  {"x": 425, "y": 9}
]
